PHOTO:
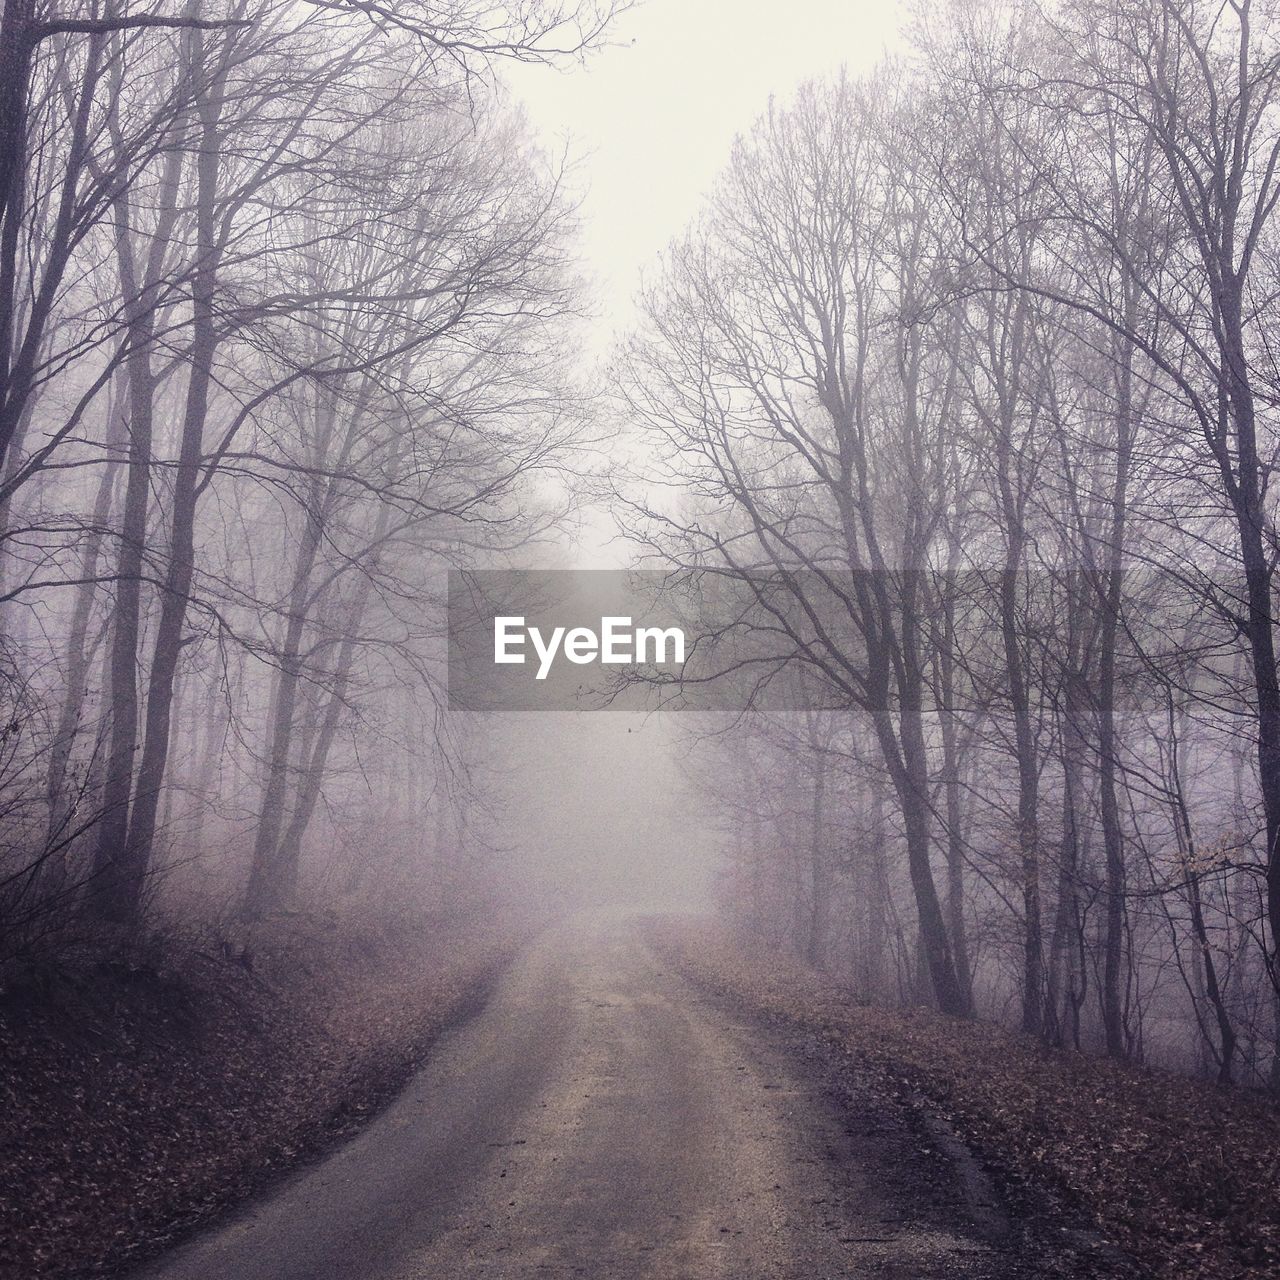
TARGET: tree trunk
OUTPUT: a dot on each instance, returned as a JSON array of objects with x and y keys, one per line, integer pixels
[
  {"x": 1028, "y": 797},
  {"x": 1113, "y": 1019},
  {"x": 177, "y": 585},
  {"x": 910, "y": 779},
  {"x": 1066, "y": 976},
  {"x": 17, "y": 51},
  {"x": 116, "y": 896},
  {"x": 267, "y": 890},
  {"x": 78, "y": 658},
  {"x": 952, "y": 801},
  {"x": 819, "y": 871}
]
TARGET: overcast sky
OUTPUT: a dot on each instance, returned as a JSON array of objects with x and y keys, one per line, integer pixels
[
  {"x": 649, "y": 123},
  {"x": 650, "y": 120}
]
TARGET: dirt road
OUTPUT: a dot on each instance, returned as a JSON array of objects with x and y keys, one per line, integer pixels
[{"x": 600, "y": 1118}]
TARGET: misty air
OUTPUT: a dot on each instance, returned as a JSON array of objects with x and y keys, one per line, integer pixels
[{"x": 638, "y": 639}]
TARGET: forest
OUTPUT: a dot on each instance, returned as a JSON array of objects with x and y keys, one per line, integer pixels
[
  {"x": 962, "y": 381},
  {"x": 285, "y": 310},
  {"x": 960, "y": 387}
]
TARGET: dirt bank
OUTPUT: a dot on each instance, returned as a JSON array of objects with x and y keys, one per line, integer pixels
[
  {"x": 1180, "y": 1175},
  {"x": 143, "y": 1090}
]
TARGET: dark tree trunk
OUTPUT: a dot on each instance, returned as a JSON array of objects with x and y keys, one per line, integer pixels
[
  {"x": 951, "y": 790},
  {"x": 176, "y": 590},
  {"x": 115, "y": 896},
  {"x": 819, "y": 868},
  {"x": 78, "y": 656},
  {"x": 17, "y": 51},
  {"x": 911, "y": 780}
]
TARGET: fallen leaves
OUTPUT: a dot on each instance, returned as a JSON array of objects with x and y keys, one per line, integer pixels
[
  {"x": 1184, "y": 1176},
  {"x": 138, "y": 1099}
]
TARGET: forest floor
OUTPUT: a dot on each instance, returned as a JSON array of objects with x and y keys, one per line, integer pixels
[
  {"x": 144, "y": 1091},
  {"x": 1182, "y": 1177}
]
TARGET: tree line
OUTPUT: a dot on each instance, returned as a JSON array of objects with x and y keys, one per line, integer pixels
[
  {"x": 284, "y": 304},
  {"x": 971, "y": 360}
]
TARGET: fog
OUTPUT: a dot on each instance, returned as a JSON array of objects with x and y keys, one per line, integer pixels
[
  {"x": 605, "y": 803},
  {"x": 604, "y": 812},
  {"x": 854, "y": 310},
  {"x": 911, "y": 371}
]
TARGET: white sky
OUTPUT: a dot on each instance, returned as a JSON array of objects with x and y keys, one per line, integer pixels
[
  {"x": 650, "y": 119},
  {"x": 649, "y": 123}
]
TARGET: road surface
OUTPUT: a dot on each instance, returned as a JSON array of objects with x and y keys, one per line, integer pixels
[{"x": 601, "y": 1118}]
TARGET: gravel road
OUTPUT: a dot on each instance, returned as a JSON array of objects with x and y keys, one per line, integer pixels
[{"x": 601, "y": 1118}]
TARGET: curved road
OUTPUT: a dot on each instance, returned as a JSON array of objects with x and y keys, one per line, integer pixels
[{"x": 601, "y": 1118}]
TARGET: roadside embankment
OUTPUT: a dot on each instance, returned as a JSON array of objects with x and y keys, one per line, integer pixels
[
  {"x": 144, "y": 1089},
  {"x": 1181, "y": 1175}
]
